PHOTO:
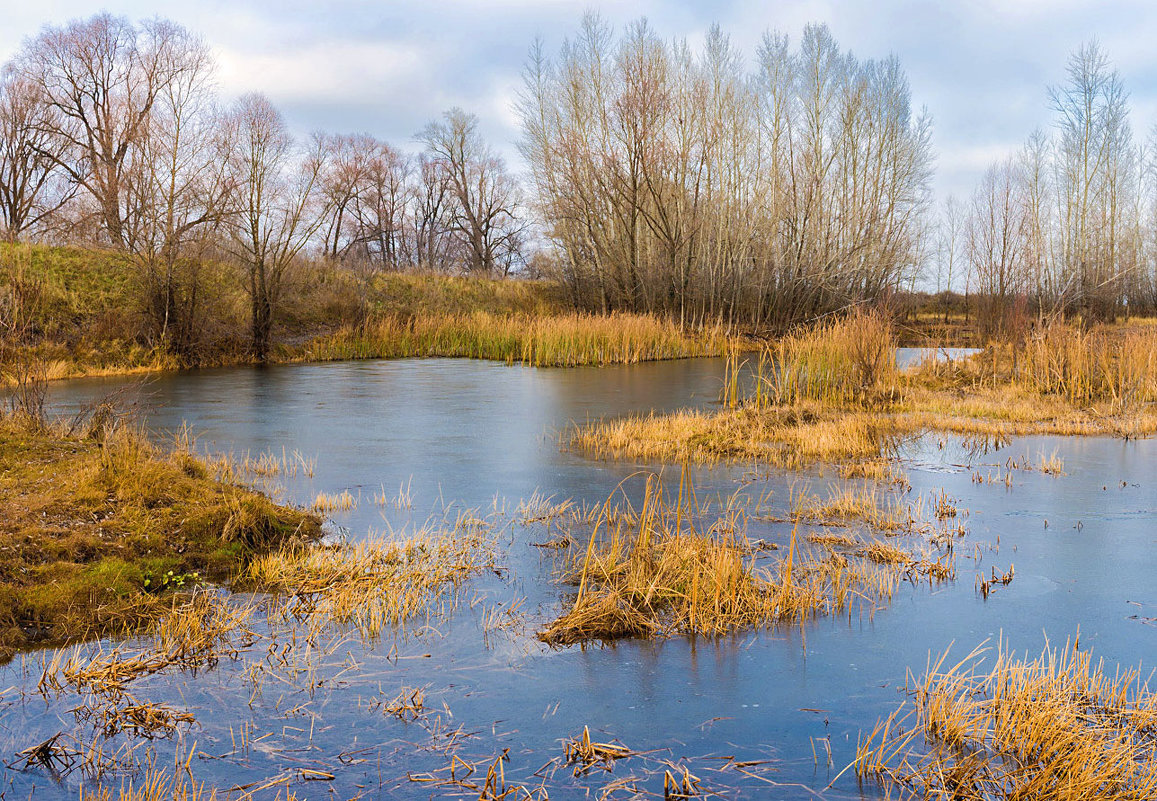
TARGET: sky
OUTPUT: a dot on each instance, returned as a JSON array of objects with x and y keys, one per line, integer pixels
[{"x": 982, "y": 69}]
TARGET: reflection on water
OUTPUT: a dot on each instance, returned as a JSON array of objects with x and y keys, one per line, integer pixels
[{"x": 465, "y": 432}]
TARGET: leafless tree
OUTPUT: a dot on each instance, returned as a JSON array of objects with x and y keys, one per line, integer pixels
[
  {"x": 996, "y": 246},
  {"x": 679, "y": 183},
  {"x": 101, "y": 79},
  {"x": 31, "y": 185},
  {"x": 278, "y": 207},
  {"x": 484, "y": 213},
  {"x": 176, "y": 187}
]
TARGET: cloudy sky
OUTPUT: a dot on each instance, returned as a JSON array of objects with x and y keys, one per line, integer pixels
[{"x": 982, "y": 68}]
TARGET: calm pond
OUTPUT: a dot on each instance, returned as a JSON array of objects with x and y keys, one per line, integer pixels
[{"x": 457, "y": 434}]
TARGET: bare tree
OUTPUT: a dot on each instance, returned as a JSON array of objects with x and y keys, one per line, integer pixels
[
  {"x": 996, "y": 241},
  {"x": 101, "y": 79},
  {"x": 176, "y": 186},
  {"x": 485, "y": 211},
  {"x": 278, "y": 207},
  {"x": 950, "y": 231},
  {"x": 675, "y": 182},
  {"x": 31, "y": 188},
  {"x": 1095, "y": 143}
]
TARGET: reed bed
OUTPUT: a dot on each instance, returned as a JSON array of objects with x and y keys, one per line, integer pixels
[
  {"x": 1091, "y": 366},
  {"x": 561, "y": 340},
  {"x": 786, "y": 437},
  {"x": 837, "y": 362},
  {"x": 668, "y": 570},
  {"x": 1058, "y": 727},
  {"x": 833, "y": 393},
  {"x": 378, "y": 584}
]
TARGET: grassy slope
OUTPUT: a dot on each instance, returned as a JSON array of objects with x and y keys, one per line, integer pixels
[
  {"x": 89, "y": 319},
  {"x": 85, "y": 521}
]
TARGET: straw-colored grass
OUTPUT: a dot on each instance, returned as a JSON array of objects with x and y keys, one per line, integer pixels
[
  {"x": 1059, "y": 727},
  {"x": 377, "y": 584},
  {"x": 784, "y": 436},
  {"x": 668, "y": 570},
  {"x": 156, "y": 784},
  {"x": 101, "y": 526},
  {"x": 833, "y": 394},
  {"x": 560, "y": 340}
]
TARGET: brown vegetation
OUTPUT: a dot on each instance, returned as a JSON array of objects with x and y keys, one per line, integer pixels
[
  {"x": 1057, "y": 727},
  {"x": 670, "y": 569},
  {"x": 833, "y": 394}
]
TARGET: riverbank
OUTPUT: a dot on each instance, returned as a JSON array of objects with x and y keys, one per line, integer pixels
[
  {"x": 102, "y": 529},
  {"x": 82, "y": 316}
]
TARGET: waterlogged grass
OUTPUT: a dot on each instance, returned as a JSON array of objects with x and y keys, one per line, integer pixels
[
  {"x": 787, "y": 436},
  {"x": 560, "y": 340},
  {"x": 669, "y": 569},
  {"x": 100, "y": 525},
  {"x": 833, "y": 394},
  {"x": 1057, "y": 727},
  {"x": 378, "y": 584}
]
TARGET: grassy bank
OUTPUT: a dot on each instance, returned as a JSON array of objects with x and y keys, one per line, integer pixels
[
  {"x": 86, "y": 317},
  {"x": 833, "y": 394},
  {"x": 100, "y": 527}
]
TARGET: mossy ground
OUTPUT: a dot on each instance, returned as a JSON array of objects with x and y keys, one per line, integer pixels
[{"x": 91, "y": 526}]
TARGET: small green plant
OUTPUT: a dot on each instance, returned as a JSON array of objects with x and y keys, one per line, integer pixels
[{"x": 170, "y": 581}]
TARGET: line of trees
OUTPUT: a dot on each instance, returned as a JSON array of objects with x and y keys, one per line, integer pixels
[
  {"x": 685, "y": 183},
  {"x": 112, "y": 132},
  {"x": 1067, "y": 226},
  {"x": 688, "y": 183}
]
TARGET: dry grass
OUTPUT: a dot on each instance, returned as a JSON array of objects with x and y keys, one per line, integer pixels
[
  {"x": 102, "y": 526},
  {"x": 833, "y": 394},
  {"x": 559, "y": 340},
  {"x": 785, "y": 436},
  {"x": 585, "y": 754},
  {"x": 837, "y": 362},
  {"x": 667, "y": 569},
  {"x": 155, "y": 785},
  {"x": 378, "y": 584},
  {"x": 195, "y": 633},
  {"x": 1056, "y": 728},
  {"x": 326, "y": 503},
  {"x": 845, "y": 504}
]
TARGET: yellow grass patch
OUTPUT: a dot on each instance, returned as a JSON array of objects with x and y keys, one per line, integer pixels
[{"x": 1058, "y": 727}]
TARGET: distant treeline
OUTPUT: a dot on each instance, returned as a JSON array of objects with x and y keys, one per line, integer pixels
[
  {"x": 695, "y": 184},
  {"x": 111, "y": 133}
]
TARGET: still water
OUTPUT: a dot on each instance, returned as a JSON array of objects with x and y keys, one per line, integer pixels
[{"x": 457, "y": 433}]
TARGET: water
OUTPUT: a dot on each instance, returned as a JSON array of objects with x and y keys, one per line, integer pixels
[{"x": 479, "y": 434}]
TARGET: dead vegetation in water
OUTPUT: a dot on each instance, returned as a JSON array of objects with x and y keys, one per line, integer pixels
[
  {"x": 1057, "y": 727},
  {"x": 585, "y": 754},
  {"x": 381, "y": 583},
  {"x": 196, "y": 633},
  {"x": 668, "y": 570},
  {"x": 833, "y": 394}
]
